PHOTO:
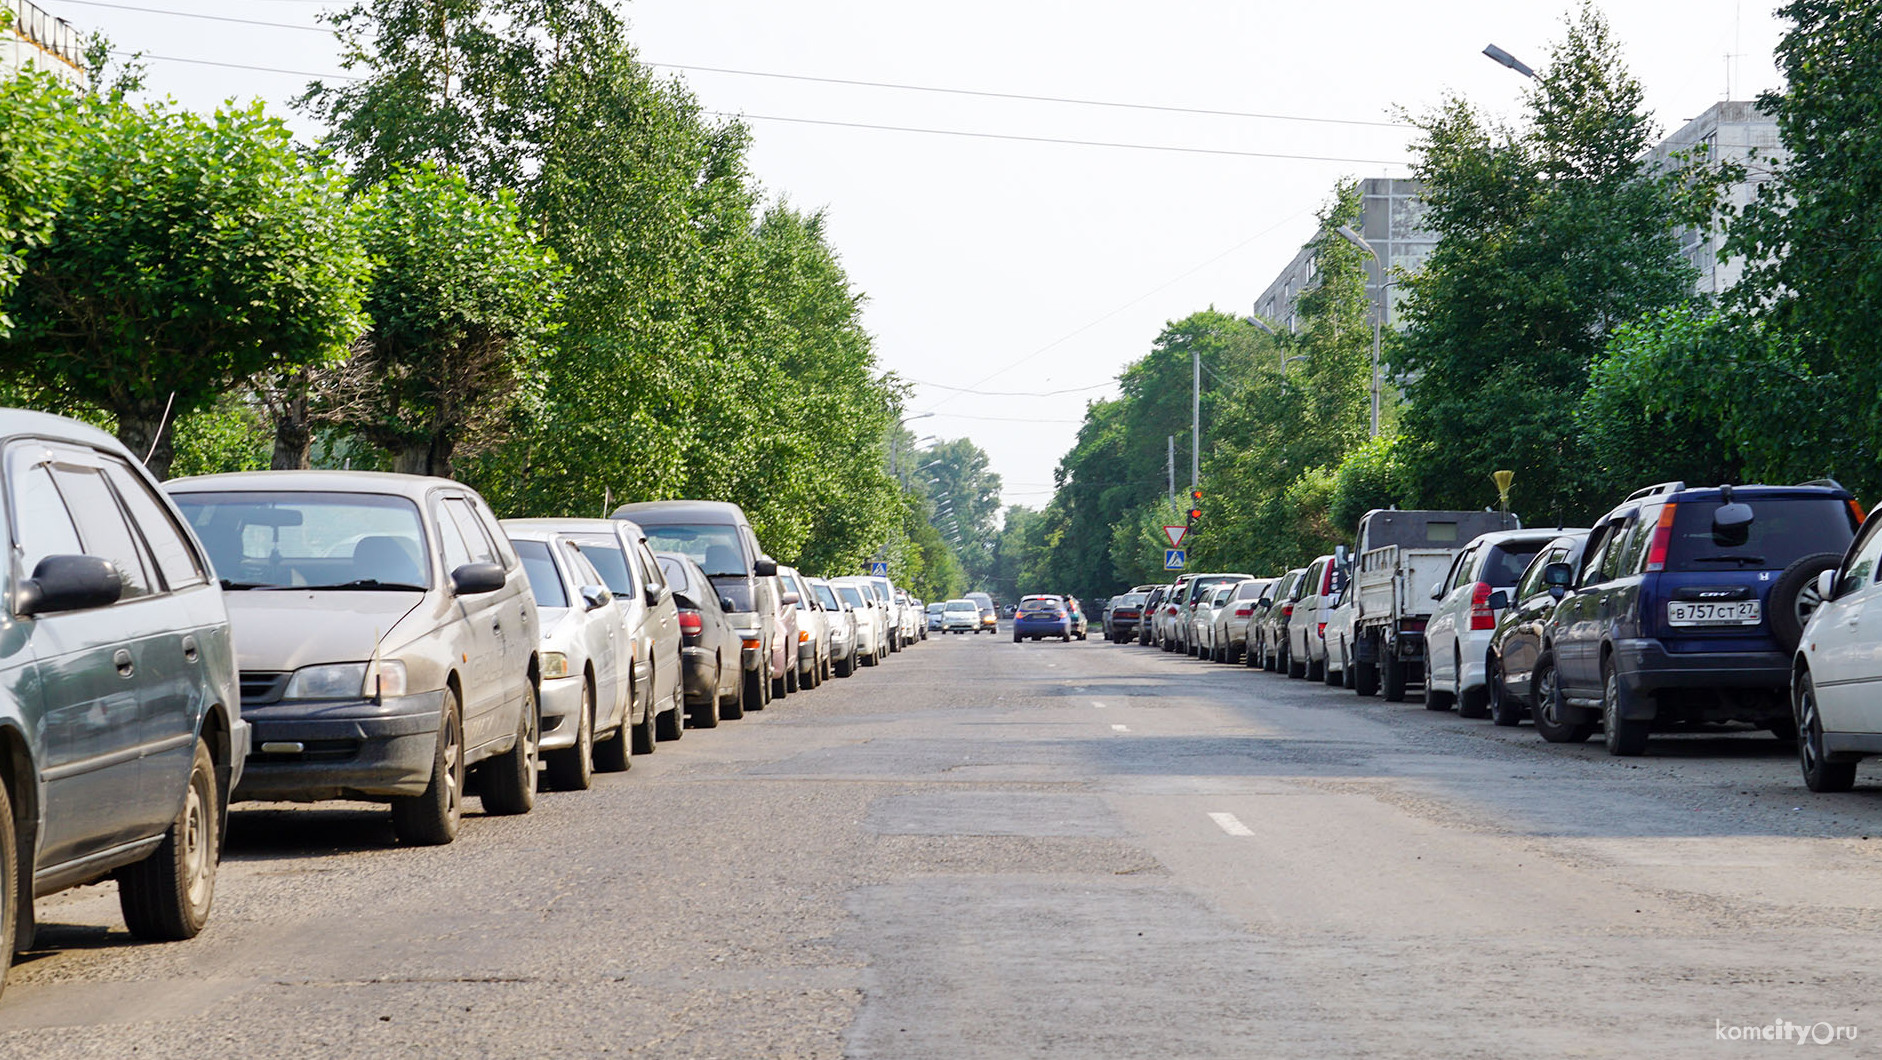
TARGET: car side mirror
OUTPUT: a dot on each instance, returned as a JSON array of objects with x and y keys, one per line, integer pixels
[
  {"x": 475, "y": 579},
  {"x": 1499, "y": 600},
  {"x": 1558, "y": 576},
  {"x": 1437, "y": 591},
  {"x": 1826, "y": 584},
  {"x": 726, "y": 604},
  {"x": 765, "y": 567},
  {"x": 653, "y": 594},
  {"x": 789, "y": 599},
  {"x": 595, "y": 596},
  {"x": 1266, "y": 601},
  {"x": 69, "y": 583}
]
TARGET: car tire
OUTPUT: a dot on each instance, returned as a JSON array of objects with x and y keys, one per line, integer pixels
[
  {"x": 1347, "y": 677},
  {"x": 706, "y": 715},
  {"x": 432, "y": 817},
  {"x": 507, "y": 783},
  {"x": 1366, "y": 678},
  {"x": 642, "y": 737},
  {"x": 1472, "y": 703},
  {"x": 732, "y": 707},
  {"x": 1505, "y": 710},
  {"x": 167, "y": 896},
  {"x": 1296, "y": 669},
  {"x": 1251, "y": 655},
  {"x": 1546, "y": 710},
  {"x": 1317, "y": 670},
  {"x": 1392, "y": 677},
  {"x": 1328, "y": 675},
  {"x": 572, "y": 768},
  {"x": 1625, "y": 737},
  {"x": 13, "y": 885},
  {"x": 1821, "y": 773},
  {"x": 613, "y": 755},
  {"x": 1794, "y": 597},
  {"x": 846, "y": 665},
  {"x": 671, "y": 724},
  {"x": 1016, "y": 637}
]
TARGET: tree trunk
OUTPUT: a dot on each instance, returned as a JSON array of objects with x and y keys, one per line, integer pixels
[
  {"x": 150, "y": 438},
  {"x": 412, "y": 459}
]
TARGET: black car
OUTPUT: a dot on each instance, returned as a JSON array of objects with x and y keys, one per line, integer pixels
[
  {"x": 709, "y": 645},
  {"x": 1517, "y": 642},
  {"x": 1146, "y": 625},
  {"x": 1686, "y": 606}
]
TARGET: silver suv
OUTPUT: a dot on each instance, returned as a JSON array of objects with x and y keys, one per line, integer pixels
[
  {"x": 121, "y": 762},
  {"x": 387, "y": 639}
]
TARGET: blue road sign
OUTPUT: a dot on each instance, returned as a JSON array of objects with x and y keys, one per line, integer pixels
[
  {"x": 879, "y": 569},
  {"x": 1173, "y": 559}
]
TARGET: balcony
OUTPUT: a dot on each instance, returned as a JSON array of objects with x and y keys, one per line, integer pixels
[{"x": 54, "y": 36}]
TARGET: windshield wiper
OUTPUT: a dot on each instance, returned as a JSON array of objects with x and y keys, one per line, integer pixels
[
  {"x": 229, "y": 586},
  {"x": 1726, "y": 559},
  {"x": 368, "y": 584}
]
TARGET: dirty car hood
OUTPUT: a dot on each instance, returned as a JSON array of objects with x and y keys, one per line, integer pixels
[{"x": 290, "y": 628}]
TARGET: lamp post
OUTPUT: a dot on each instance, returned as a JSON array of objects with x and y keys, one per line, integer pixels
[
  {"x": 895, "y": 444},
  {"x": 1378, "y": 321},
  {"x": 1509, "y": 60},
  {"x": 1263, "y": 325}
]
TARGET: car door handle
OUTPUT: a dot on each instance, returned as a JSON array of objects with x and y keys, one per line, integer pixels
[
  {"x": 189, "y": 649},
  {"x": 122, "y": 659}
]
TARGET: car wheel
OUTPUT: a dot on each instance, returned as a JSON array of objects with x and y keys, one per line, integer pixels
[
  {"x": 166, "y": 897},
  {"x": 1365, "y": 678},
  {"x": 706, "y": 715},
  {"x": 732, "y": 708},
  {"x": 432, "y": 818},
  {"x": 671, "y": 724},
  {"x": 1626, "y": 737},
  {"x": 846, "y": 665},
  {"x": 1821, "y": 773},
  {"x": 1436, "y": 700},
  {"x": 643, "y": 732},
  {"x": 1328, "y": 675},
  {"x": 612, "y": 755},
  {"x": 1547, "y": 710},
  {"x": 1296, "y": 669},
  {"x": 1317, "y": 670},
  {"x": 507, "y": 783},
  {"x": 1505, "y": 711},
  {"x": 12, "y": 905},
  {"x": 1392, "y": 676},
  {"x": 572, "y": 768},
  {"x": 1794, "y": 597},
  {"x": 1471, "y": 702},
  {"x": 1347, "y": 677}
]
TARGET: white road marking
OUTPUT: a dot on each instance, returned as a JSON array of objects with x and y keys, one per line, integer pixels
[
  {"x": 1120, "y": 728},
  {"x": 1230, "y": 824},
  {"x": 1097, "y": 704}
]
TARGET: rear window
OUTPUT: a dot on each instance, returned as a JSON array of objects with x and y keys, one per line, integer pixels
[
  {"x": 713, "y": 546},
  {"x": 1782, "y": 531},
  {"x": 1034, "y": 606},
  {"x": 1504, "y": 565}
]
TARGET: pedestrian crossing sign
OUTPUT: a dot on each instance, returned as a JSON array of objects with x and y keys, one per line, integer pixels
[
  {"x": 1173, "y": 559},
  {"x": 879, "y": 569}
]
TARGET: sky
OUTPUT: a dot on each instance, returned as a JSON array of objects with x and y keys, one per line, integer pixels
[{"x": 1008, "y": 279}]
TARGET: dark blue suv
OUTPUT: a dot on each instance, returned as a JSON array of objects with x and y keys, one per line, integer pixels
[{"x": 1685, "y": 607}]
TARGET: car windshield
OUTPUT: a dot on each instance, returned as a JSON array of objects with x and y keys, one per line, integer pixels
[
  {"x": 605, "y": 553},
  {"x": 1782, "y": 531},
  {"x": 267, "y": 540},
  {"x": 544, "y": 583},
  {"x": 713, "y": 546},
  {"x": 961, "y": 605},
  {"x": 852, "y": 595},
  {"x": 826, "y": 596}
]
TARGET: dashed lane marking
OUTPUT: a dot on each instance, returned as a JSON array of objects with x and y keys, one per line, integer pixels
[
  {"x": 1120, "y": 728},
  {"x": 1230, "y": 824}
]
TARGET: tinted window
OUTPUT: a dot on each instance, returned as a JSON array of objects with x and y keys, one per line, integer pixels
[
  {"x": 1504, "y": 564},
  {"x": 101, "y": 526},
  {"x": 173, "y": 556},
  {"x": 1783, "y": 530},
  {"x": 544, "y": 583},
  {"x": 610, "y": 562},
  {"x": 482, "y": 548},
  {"x": 715, "y": 548},
  {"x": 41, "y": 524},
  {"x": 309, "y": 540}
]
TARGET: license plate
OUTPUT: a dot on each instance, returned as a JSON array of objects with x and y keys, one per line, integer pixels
[{"x": 1729, "y": 613}]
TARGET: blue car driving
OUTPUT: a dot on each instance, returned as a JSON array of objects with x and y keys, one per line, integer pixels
[{"x": 1042, "y": 616}]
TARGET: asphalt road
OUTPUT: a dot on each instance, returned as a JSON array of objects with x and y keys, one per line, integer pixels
[{"x": 983, "y": 849}]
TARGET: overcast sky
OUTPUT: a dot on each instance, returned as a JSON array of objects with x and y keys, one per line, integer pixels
[{"x": 1020, "y": 267}]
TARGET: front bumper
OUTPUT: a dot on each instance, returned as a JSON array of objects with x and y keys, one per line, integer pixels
[
  {"x": 561, "y": 712},
  {"x": 353, "y": 749}
]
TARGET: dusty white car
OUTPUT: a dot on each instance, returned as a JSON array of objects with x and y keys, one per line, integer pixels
[{"x": 1457, "y": 638}]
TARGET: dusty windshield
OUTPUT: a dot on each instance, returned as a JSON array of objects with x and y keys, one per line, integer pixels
[
  {"x": 310, "y": 540},
  {"x": 713, "y": 546}
]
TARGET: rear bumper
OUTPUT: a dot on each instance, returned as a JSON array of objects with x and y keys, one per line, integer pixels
[
  {"x": 699, "y": 670},
  {"x": 1024, "y": 628},
  {"x": 1644, "y": 666},
  {"x": 346, "y": 750}
]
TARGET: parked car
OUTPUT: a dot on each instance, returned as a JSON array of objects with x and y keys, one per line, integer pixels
[
  {"x": 584, "y": 651},
  {"x": 960, "y": 616},
  {"x": 719, "y": 538},
  {"x": 1075, "y": 613},
  {"x": 872, "y": 624},
  {"x": 1516, "y": 642},
  {"x": 1307, "y": 626},
  {"x": 1688, "y": 606},
  {"x": 1164, "y": 621},
  {"x": 1042, "y": 616},
  {"x": 123, "y": 727},
  {"x": 1230, "y": 637},
  {"x": 934, "y": 615},
  {"x": 711, "y": 647},
  {"x": 989, "y": 615},
  {"x": 1202, "y": 618},
  {"x": 1339, "y": 634},
  {"x": 1147, "y": 621},
  {"x": 1127, "y": 612},
  {"x": 1836, "y": 668},
  {"x": 1270, "y": 629},
  {"x": 655, "y": 706},
  {"x": 1400, "y": 555},
  {"x": 842, "y": 621},
  {"x": 1183, "y": 623},
  {"x": 912, "y": 624},
  {"x": 1457, "y": 639},
  {"x": 813, "y": 630},
  {"x": 388, "y": 643},
  {"x": 885, "y": 591}
]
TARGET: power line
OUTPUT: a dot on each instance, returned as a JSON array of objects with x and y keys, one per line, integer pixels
[
  {"x": 233, "y": 66},
  {"x": 195, "y": 14},
  {"x": 1058, "y": 140},
  {"x": 1003, "y": 419},
  {"x": 1013, "y": 393}
]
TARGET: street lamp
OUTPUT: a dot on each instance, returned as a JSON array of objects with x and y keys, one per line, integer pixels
[
  {"x": 1378, "y": 321},
  {"x": 1509, "y": 60}
]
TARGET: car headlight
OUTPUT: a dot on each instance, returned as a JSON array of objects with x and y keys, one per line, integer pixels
[
  {"x": 554, "y": 664},
  {"x": 332, "y": 681},
  {"x": 387, "y": 680}
]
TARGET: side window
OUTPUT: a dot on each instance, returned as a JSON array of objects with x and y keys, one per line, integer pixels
[
  {"x": 451, "y": 541},
  {"x": 101, "y": 526},
  {"x": 1634, "y": 555},
  {"x": 475, "y": 537},
  {"x": 1466, "y": 564},
  {"x": 585, "y": 572},
  {"x": 492, "y": 531},
  {"x": 174, "y": 557},
  {"x": 41, "y": 524},
  {"x": 655, "y": 577},
  {"x": 1863, "y": 569},
  {"x": 1591, "y": 555},
  {"x": 1619, "y": 542}
]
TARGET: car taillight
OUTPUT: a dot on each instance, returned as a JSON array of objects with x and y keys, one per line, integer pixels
[
  {"x": 1662, "y": 535},
  {"x": 1856, "y": 507},
  {"x": 1320, "y": 630},
  {"x": 803, "y": 636},
  {"x": 1481, "y": 617},
  {"x": 1244, "y": 611},
  {"x": 690, "y": 624},
  {"x": 1287, "y": 610}
]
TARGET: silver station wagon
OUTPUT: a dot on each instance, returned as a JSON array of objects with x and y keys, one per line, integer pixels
[{"x": 387, "y": 640}]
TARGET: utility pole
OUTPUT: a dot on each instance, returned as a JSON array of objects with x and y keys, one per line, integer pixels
[
  {"x": 1173, "y": 506},
  {"x": 1195, "y": 415}
]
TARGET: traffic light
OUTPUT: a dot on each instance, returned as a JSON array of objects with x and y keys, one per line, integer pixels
[{"x": 1195, "y": 507}]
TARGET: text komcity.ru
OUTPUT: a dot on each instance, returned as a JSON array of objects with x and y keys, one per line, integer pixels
[{"x": 1819, "y": 1033}]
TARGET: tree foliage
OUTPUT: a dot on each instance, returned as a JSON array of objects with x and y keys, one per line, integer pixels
[{"x": 36, "y": 127}]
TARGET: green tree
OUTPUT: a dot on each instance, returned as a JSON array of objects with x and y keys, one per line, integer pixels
[
  {"x": 36, "y": 130},
  {"x": 195, "y": 253}
]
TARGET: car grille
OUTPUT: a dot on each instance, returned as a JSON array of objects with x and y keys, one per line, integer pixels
[{"x": 260, "y": 687}]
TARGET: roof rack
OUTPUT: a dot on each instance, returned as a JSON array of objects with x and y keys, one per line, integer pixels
[
  {"x": 1829, "y": 482},
  {"x": 1656, "y": 490}
]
